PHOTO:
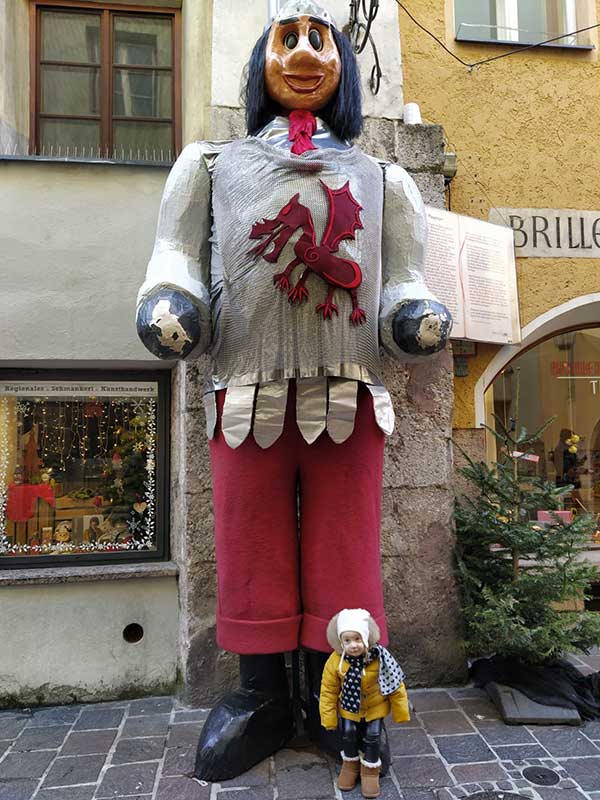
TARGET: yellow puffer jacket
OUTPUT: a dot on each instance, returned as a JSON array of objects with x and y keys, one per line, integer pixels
[{"x": 373, "y": 704}]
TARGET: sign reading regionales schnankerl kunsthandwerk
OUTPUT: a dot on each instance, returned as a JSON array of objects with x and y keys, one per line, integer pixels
[{"x": 551, "y": 233}]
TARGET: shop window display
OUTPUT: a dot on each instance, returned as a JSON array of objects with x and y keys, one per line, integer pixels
[
  {"x": 78, "y": 468},
  {"x": 560, "y": 378}
]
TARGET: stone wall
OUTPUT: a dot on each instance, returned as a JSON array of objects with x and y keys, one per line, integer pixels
[{"x": 417, "y": 537}]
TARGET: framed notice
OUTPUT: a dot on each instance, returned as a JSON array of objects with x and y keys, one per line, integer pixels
[{"x": 470, "y": 266}]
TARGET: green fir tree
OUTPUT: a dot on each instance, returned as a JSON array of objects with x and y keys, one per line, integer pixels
[{"x": 517, "y": 574}]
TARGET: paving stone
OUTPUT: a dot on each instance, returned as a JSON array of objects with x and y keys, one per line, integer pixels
[
  {"x": 179, "y": 761},
  {"x": 446, "y": 722},
  {"x": 299, "y": 781},
  {"x": 60, "y": 715},
  {"x": 288, "y": 757},
  {"x": 11, "y": 727},
  {"x": 17, "y": 789},
  {"x": 419, "y": 794},
  {"x": 409, "y": 742},
  {"x": 25, "y": 765},
  {"x": 48, "y": 738},
  {"x": 472, "y": 788},
  {"x": 197, "y": 715},
  {"x": 98, "y": 718},
  {"x": 586, "y": 771},
  {"x": 487, "y": 787},
  {"x": 496, "y": 732},
  {"x": 424, "y": 772},
  {"x": 68, "y": 793},
  {"x": 184, "y": 789},
  {"x": 128, "y": 779},
  {"x": 150, "y": 706},
  {"x": 424, "y": 700},
  {"x": 506, "y": 786},
  {"x": 72, "y": 770},
  {"x": 464, "y": 749},
  {"x": 554, "y": 793},
  {"x": 253, "y": 793},
  {"x": 128, "y": 751},
  {"x": 257, "y": 776},
  {"x": 184, "y": 735},
  {"x": 467, "y": 773},
  {"x": 591, "y": 729},
  {"x": 479, "y": 709},
  {"x": 520, "y": 752},
  {"x": 567, "y": 785},
  {"x": 4, "y": 745},
  {"x": 88, "y": 742},
  {"x": 444, "y": 794},
  {"x": 566, "y": 742},
  {"x": 521, "y": 783},
  {"x": 156, "y": 725},
  {"x": 388, "y": 792}
]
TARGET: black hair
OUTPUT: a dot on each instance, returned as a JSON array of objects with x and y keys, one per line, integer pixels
[{"x": 343, "y": 113}]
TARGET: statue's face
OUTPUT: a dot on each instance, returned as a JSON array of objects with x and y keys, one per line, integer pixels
[{"x": 302, "y": 65}]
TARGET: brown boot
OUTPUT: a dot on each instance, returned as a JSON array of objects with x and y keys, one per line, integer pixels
[
  {"x": 349, "y": 775},
  {"x": 369, "y": 778}
]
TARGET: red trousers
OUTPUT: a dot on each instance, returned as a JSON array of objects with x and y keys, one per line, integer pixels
[{"x": 296, "y": 533}]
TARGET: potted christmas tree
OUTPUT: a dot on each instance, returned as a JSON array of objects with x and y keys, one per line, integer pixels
[{"x": 518, "y": 577}]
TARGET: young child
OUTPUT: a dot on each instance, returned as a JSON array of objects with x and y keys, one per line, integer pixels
[{"x": 361, "y": 683}]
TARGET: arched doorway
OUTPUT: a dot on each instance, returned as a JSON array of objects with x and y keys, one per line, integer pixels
[{"x": 557, "y": 376}]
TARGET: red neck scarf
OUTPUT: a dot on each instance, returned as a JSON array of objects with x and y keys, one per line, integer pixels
[{"x": 302, "y": 127}]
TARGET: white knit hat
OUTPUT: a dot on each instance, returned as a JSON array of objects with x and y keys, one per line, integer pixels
[{"x": 354, "y": 619}]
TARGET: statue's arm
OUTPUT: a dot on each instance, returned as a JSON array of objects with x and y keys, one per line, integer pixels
[
  {"x": 412, "y": 321},
  {"x": 173, "y": 308}
]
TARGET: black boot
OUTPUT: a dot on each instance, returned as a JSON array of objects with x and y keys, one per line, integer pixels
[
  {"x": 330, "y": 742},
  {"x": 249, "y": 724}
]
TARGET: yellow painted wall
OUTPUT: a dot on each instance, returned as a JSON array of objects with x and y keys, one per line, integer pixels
[{"x": 526, "y": 130}]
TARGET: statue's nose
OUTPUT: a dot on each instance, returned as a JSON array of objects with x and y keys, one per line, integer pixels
[{"x": 304, "y": 57}]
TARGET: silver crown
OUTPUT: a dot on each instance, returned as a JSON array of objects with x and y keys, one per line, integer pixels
[{"x": 294, "y": 8}]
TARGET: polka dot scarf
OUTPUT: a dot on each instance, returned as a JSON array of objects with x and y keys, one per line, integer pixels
[{"x": 390, "y": 676}]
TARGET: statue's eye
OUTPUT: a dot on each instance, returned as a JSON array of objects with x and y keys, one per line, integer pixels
[
  {"x": 314, "y": 37},
  {"x": 290, "y": 40}
]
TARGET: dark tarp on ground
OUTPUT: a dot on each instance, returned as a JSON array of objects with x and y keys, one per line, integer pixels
[{"x": 558, "y": 684}]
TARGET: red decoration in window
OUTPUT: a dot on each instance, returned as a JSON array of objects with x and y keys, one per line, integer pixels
[{"x": 339, "y": 273}]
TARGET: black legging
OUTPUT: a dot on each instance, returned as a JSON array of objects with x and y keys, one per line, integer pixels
[{"x": 366, "y": 733}]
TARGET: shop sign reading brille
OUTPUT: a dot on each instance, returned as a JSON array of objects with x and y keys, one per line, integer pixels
[{"x": 551, "y": 233}]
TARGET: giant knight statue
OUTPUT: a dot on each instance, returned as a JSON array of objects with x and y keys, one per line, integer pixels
[{"x": 290, "y": 257}]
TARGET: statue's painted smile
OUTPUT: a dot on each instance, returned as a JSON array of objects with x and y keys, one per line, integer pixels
[{"x": 303, "y": 83}]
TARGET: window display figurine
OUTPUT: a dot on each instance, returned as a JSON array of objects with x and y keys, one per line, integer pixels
[
  {"x": 290, "y": 256},
  {"x": 362, "y": 682}
]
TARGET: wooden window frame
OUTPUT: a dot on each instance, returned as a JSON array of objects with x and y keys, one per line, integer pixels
[{"x": 106, "y": 11}]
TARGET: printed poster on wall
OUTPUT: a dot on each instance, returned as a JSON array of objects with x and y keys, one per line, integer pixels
[{"x": 470, "y": 266}]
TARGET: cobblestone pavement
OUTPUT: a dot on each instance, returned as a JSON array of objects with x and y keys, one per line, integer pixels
[{"x": 454, "y": 746}]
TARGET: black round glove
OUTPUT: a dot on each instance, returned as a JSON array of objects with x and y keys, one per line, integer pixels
[
  {"x": 422, "y": 327},
  {"x": 168, "y": 323}
]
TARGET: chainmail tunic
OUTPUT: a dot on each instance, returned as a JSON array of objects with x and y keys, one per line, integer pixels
[{"x": 258, "y": 335}]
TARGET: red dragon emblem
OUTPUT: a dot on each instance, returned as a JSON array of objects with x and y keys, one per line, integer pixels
[{"x": 339, "y": 273}]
